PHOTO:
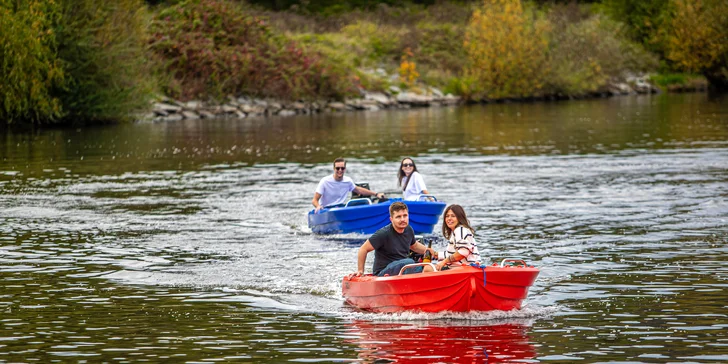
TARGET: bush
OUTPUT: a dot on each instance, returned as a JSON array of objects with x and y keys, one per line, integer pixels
[
  {"x": 506, "y": 46},
  {"x": 382, "y": 43},
  {"x": 216, "y": 48},
  {"x": 30, "y": 70},
  {"x": 588, "y": 51},
  {"x": 696, "y": 38},
  {"x": 103, "y": 48}
]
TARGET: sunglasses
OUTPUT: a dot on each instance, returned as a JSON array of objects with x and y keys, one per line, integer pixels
[
  {"x": 408, "y": 164},
  {"x": 339, "y": 168}
]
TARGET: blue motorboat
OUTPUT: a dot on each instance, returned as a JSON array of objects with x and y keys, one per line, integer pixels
[{"x": 362, "y": 216}]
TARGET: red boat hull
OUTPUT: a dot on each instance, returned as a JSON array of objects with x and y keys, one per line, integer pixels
[{"x": 458, "y": 290}]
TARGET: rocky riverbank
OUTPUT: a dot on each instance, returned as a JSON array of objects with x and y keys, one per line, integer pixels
[{"x": 167, "y": 109}]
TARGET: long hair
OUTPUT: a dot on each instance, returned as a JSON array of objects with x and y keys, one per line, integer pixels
[
  {"x": 460, "y": 215},
  {"x": 400, "y": 173}
]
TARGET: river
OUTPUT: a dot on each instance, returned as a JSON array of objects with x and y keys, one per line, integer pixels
[{"x": 188, "y": 241}]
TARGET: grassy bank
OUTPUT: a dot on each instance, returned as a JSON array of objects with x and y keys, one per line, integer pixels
[{"x": 82, "y": 62}]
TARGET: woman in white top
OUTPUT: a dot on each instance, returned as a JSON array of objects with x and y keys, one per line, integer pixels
[
  {"x": 461, "y": 248},
  {"x": 411, "y": 181}
]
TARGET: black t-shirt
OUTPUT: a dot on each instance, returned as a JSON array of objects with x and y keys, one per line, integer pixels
[{"x": 389, "y": 245}]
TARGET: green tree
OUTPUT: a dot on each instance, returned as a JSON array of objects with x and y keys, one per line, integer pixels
[
  {"x": 644, "y": 19},
  {"x": 102, "y": 45},
  {"x": 29, "y": 69}
]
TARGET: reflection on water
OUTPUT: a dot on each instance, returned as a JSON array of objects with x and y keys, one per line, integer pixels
[
  {"x": 450, "y": 342},
  {"x": 188, "y": 241}
]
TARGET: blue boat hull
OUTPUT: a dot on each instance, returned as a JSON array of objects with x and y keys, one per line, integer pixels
[{"x": 366, "y": 219}]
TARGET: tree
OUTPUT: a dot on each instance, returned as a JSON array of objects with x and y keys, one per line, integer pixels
[
  {"x": 29, "y": 69},
  {"x": 507, "y": 49},
  {"x": 696, "y": 38}
]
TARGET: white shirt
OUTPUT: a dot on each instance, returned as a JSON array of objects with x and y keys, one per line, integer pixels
[
  {"x": 461, "y": 241},
  {"x": 334, "y": 192},
  {"x": 415, "y": 187}
]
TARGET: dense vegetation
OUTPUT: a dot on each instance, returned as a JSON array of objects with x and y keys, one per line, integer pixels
[{"x": 84, "y": 61}]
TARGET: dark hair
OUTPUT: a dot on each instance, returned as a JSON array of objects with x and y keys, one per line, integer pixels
[
  {"x": 397, "y": 206},
  {"x": 339, "y": 160},
  {"x": 400, "y": 173},
  {"x": 460, "y": 215}
]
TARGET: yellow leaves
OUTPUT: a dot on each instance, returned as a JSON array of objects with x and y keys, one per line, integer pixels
[
  {"x": 697, "y": 33},
  {"x": 407, "y": 69},
  {"x": 507, "y": 49}
]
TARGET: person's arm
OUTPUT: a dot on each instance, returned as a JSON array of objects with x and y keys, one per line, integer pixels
[
  {"x": 365, "y": 192},
  {"x": 315, "y": 201},
  {"x": 420, "y": 248},
  {"x": 449, "y": 260},
  {"x": 362, "y": 257}
]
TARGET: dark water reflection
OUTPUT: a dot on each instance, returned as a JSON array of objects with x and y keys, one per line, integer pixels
[{"x": 188, "y": 241}]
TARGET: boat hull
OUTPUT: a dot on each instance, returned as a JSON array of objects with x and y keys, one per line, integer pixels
[
  {"x": 459, "y": 290},
  {"x": 367, "y": 219}
]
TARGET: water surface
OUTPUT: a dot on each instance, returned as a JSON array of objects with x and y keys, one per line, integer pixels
[{"x": 188, "y": 241}]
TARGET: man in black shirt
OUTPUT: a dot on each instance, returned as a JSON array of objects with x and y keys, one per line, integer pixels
[{"x": 391, "y": 244}]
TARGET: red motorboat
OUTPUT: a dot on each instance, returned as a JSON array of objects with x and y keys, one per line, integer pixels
[{"x": 460, "y": 289}]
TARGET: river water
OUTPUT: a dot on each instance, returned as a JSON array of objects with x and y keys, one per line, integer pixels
[{"x": 188, "y": 241}]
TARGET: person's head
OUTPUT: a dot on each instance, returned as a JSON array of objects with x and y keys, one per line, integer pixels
[
  {"x": 399, "y": 216},
  {"x": 339, "y": 168},
  {"x": 406, "y": 168},
  {"x": 453, "y": 217}
]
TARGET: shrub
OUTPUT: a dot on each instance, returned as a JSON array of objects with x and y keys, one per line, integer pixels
[
  {"x": 506, "y": 46},
  {"x": 29, "y": 70},
  {"x": 103, "y": 49},
  {"x": 216, "y": 48},
  {"x": 644, "y": 19},
  {"x": 587, "y": 52},
  {"x": 382, "y": 43},
  {"x": 696, "y": 38}
]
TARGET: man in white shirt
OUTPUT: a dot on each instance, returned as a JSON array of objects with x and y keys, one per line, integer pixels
[{"x": 334, "y": 189}]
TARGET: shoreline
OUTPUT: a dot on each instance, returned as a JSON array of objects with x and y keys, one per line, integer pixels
[{"x": 167, "y": 109}]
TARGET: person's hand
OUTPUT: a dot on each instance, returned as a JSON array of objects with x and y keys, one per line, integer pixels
[
  {"x": 358, "y": 274},
  {"x": 379, "y": 195},
  {"x": 440, "y": 265},
  {"x": 318, "y": 208},
  {"x": 433, "y": 252}
]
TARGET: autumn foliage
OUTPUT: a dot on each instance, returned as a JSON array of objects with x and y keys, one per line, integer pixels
[
  {"x": 506, "y": 45},
  {"x": 696, "y": 38}
]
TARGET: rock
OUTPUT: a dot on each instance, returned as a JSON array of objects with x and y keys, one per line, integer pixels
[
  {"x": 624, "y": 88},
  {"x": 229, "y": 109},
  {"x": 240, "y": 114},
  {"x": 298, "y": 106},
  {"x": 275, "y": 106},
  {"x": 193, "y": 105},
  {"x": 173, "y": 117},
  {"x": 206, "y": 114},
  {"x": 378, "y": 97},
  {"x": 286, "y": 112},
  {"x": 436, "y": 92},
  {"x": 413, "y": 99},
  {"x": 190, "y": 115},
  {"x": 337, "y": 106},
  {"x": 394, "y": 90},
  {"x": 167, "y": 107}
]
